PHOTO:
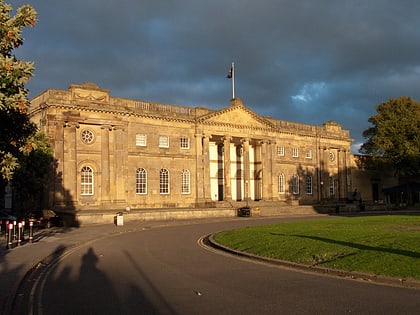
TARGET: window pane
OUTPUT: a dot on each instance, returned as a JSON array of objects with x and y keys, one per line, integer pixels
[
  {"x": 164, "y": 181},
  {"x": 141, "y": 140},
  {"x": 86, "y": 181},
  {"x": 185, "y": 189},
  {"x": 309, "y": 185},
  {"x": 141, "y": 181},
  {"x": 185, "y": 143},
  {"x": 295, "y": 184},
  {"x": 332, "y": 190},
  {"x": 281, "y": 184},
  {"x": 163, "y": 142}
]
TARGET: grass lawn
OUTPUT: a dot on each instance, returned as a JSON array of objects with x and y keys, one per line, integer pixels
[{"x": 382, "y": 245}]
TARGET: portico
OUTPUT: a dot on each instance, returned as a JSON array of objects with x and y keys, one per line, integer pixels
[{"x": 239, "y": 167}]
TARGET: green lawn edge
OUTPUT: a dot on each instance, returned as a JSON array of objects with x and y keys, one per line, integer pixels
[{"x": 387, "y": 245}]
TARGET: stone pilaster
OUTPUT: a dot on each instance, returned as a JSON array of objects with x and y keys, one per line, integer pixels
[
  {"x": 199, "y": 167},
  {"x": 265, "y": 170},
  {"x": 59, "y": 197},
  {"x": 70, "y": 163},
  {"x": 272, "y": 179},
  {"x": 120, "y": 175},
  {"x": 206, "y": 167},
  {"x": 105, "y": 164}
]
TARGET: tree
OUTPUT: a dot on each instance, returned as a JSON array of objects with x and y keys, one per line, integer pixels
[
  {"x": 25, "y": 154},
  {"x": 31, "y": 178},
  {"x": 394, "y": 139},
  {"x": 16, "y": 129}
]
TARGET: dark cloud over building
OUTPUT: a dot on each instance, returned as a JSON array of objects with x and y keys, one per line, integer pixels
[{"x": 303, "y": 61}]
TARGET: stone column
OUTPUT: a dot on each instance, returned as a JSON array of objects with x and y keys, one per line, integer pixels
[
  {"x": 206, "y": 167},
  {"x": 70, "y": 163},
  {"x": 245, "y": 147},
  {"x": 227, "y": 168}
]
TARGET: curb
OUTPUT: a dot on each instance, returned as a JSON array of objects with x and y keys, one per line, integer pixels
[{"x": 349, "y": 275}]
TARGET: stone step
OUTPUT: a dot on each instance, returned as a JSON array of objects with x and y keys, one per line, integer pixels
[{"x": 286, "y": 210}]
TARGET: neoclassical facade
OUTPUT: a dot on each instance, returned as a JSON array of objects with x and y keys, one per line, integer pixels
[{"x": 117, "y": 153}]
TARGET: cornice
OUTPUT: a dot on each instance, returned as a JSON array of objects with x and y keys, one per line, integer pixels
[{"x": 118, "y": 112}]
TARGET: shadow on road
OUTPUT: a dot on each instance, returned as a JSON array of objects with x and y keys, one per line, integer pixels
[{"x": 90, "y": 291}]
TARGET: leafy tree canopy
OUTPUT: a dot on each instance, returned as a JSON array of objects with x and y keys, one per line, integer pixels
[
  {"x": 393, "y": 140},
  {"x": 16, "y": 130}
]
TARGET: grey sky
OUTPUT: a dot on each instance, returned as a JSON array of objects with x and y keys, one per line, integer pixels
[{"x": 304, "y": 61}]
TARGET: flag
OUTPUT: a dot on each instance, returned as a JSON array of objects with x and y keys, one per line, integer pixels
[{"x": 230, "y": 73}]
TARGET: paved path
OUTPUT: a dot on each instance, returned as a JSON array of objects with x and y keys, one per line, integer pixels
[{"x": 166, "y": 272}]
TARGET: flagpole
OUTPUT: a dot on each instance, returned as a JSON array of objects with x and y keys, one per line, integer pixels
[{"x": 233, "y": 80}]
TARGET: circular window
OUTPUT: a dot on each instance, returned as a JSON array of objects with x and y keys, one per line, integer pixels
[{"x": 88, "y": 136}]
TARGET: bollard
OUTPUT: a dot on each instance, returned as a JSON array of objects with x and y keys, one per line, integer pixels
[
  {"x": 23, "y": 231},
  {"x": 19, "y": 233},
  {"x": 9, "y": 236},
  {"x": 31, "y": 232},
  {"x": 6, "y": 227},
  {"x": 14, "y": 230}
]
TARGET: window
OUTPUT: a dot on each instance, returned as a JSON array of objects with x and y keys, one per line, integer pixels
[
  {"x": 163, "y": 142},
  {"x": 164, "y": 181},
  {"x": 295, "y": 152},
  {"x": 141, "y": 181},
  {"x": 280, "y": 151},
  {"x": 332, "y": 190},
  {"x": 185, "y": 185},
  {"x": 87, "y": 136},
  {"x": 295, "y": 184},
  {"x": 308, "y": 153},
  {"x": 86, "y": 181},
  {"x": 185, "y": 143},
  {"x": 141, "y": 140},
  {"x": 309, "y": 185},
  {"x": 281, "y": 184}
]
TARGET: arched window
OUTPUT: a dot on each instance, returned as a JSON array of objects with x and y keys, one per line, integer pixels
[
  {"x": 281, "y": 184},
  {"x": 309, "y": 185},
  {"x": 141, "y": 181},
  {"x": 295, "y": 184},
  {"x": 185, "y": 188},
  {"x": 86, "y": 181},
  {"x": 164, "y": 181}
]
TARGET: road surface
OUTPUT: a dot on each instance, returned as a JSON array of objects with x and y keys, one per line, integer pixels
[{"x": 166, "y": 271}]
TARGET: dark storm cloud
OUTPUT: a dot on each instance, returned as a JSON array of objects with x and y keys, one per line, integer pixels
[{"x": 305, "y": 61}]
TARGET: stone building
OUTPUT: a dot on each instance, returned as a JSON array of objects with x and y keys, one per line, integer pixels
[{"x": 115, "y": 153}]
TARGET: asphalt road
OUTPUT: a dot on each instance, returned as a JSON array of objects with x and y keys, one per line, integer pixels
[{"x": 166, "y": 271}]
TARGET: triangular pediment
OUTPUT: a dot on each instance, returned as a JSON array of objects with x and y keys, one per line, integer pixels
[{"x": 236, "y": 115}]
